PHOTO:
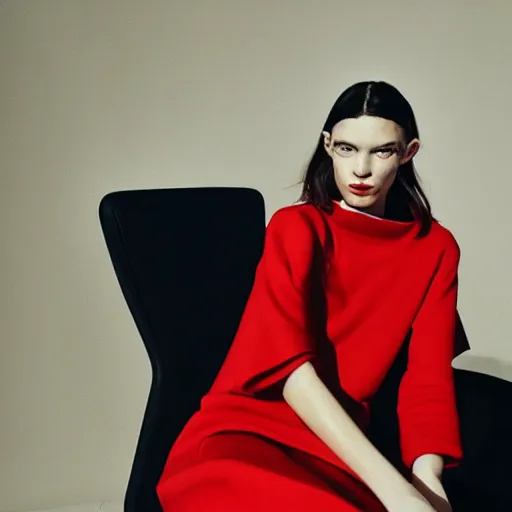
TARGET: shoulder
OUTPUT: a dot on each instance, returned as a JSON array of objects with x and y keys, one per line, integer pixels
[
  {"x": 443, "y": 243},
  {"x": 295, "y": 235},
  {"x": 303, "y": 221}
]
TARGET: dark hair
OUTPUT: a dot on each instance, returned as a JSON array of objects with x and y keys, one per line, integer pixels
[{"x": 406, "y": 199}]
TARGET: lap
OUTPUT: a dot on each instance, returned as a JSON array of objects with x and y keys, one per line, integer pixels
[{"x": 240, "y": 471}]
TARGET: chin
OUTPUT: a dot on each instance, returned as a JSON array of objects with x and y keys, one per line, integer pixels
[
  {"x": 360, "y": 202},
  {"x": 369, "y": 204}
]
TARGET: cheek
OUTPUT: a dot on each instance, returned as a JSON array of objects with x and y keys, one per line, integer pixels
[
  {"x": 385, "y": 173},
  {"x": 342, "y": 170}
]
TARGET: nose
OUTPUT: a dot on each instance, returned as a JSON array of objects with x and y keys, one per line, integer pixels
[{"x": 362, "y": 167}]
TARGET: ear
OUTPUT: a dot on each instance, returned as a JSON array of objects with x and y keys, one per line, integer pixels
[
  {"x": 410, "y": 151},
  {"x": 327, "y": 142}
]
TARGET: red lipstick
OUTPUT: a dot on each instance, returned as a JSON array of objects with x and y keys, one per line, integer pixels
[{"x": 359, "y": 189}]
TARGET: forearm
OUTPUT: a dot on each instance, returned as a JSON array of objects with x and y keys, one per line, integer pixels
[
  {"x": 321, "y": 412},
  {"x": 429, "y": 463},
  {"x": 427, "y": 479}
]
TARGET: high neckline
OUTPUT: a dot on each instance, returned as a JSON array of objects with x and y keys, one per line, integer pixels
[{"x": 369, "y": 225}]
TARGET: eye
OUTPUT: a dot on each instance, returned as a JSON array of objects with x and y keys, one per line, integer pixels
[
  {"x": 386, "y": 152},
  {"x": 342, "y": 149}
]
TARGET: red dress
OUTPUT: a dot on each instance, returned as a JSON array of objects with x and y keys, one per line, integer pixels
[{"x": 341, "y": 290}]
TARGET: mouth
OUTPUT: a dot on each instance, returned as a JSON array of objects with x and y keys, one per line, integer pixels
[{"x": 360, "y": 189}]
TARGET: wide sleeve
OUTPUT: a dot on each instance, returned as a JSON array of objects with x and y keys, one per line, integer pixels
[
  {"x": 275, "y": 333},
  {"x": 427, "y": 410}
]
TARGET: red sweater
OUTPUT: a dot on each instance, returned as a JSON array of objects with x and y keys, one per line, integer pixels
[{"x": 341, "y": 290}]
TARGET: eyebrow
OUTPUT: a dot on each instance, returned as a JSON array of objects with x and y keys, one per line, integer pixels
[{"x": 380, "y": 146}]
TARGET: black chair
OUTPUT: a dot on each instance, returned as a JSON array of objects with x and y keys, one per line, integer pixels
[
  {"x": 185, "y": 261},
  {"x": 480, "y": 482}
]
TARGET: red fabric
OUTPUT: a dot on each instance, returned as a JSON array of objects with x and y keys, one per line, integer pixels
[
  {"x": 246, "y": 473},
  {"x": 341, "y": 290}
]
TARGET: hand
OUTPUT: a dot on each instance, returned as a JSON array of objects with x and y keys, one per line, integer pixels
[{"x": 430, "y": 486}]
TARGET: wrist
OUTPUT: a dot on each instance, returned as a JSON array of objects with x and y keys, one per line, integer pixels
[
  {"x": 393, "y": 499},
  {"x": 429, "y": 485},
  {"x": 393, "y": 490}
]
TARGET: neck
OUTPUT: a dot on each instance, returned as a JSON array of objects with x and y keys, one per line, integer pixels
[{"x": 376, "y": 211}]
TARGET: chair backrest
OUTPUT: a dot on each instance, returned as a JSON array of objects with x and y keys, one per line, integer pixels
[{"x": 185, "y": 260}]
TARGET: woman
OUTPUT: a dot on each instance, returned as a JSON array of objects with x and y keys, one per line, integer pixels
[{"x": 344, "y": 278}]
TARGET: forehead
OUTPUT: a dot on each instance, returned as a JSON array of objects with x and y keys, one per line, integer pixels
[{"x": 368, "y": 131}]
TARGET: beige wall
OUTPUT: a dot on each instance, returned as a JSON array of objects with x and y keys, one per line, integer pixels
[{"x": 101, "y": 95}]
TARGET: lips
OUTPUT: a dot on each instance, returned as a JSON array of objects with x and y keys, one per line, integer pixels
[
  {"x": 360, "y": 189},
  {"x": 360, "y": 186}
]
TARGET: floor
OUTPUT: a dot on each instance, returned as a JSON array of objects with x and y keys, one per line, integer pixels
[{"x": 90, "y": 507}]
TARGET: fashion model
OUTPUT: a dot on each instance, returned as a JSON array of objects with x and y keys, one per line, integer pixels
[{"x": 346, "y": 275}]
